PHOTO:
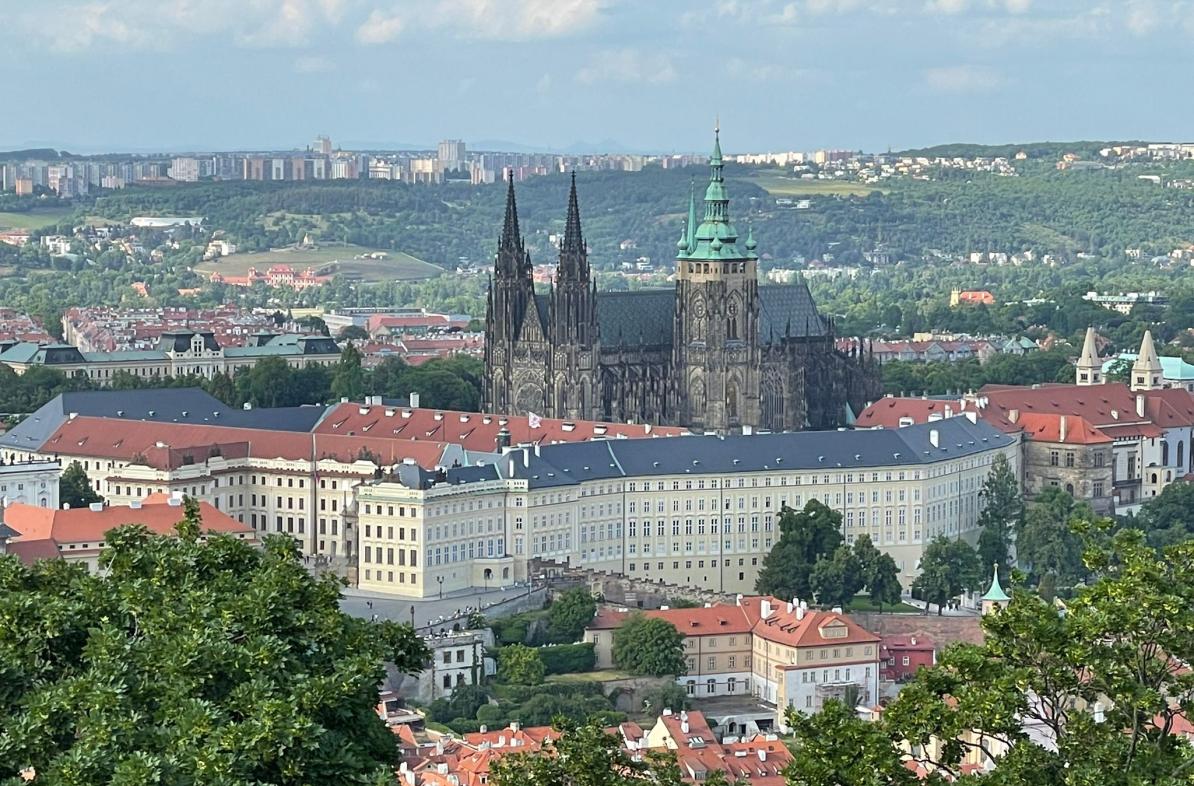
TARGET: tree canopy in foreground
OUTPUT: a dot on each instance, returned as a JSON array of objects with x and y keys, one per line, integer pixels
[
  {"x": 191, "y": 661},
  {"x": 1087, "y": 695}
]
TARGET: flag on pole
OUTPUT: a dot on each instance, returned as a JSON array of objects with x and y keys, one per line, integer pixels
[{"x": 533, "y": 420}]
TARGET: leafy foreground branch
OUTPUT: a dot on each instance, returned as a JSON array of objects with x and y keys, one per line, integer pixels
[
  {"x": 1094, "y": 694},
  {"x": 191, "y": 662}
]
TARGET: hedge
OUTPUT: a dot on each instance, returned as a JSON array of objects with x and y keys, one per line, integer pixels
[{"x": 568, "y": 658}]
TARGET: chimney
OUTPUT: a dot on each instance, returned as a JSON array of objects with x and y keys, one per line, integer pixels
[
  {"x": 764, "y": 608},
  {"x": 912, "y": 640},
  {"x": 788, "y": 606},
  {"x": 1013, "y": 415},
  {"x": 503, "y": 438},
  {"x": 949, "y": 411},
  {"x": 526, "y": 457},
  {"x": 515, "y": 726},
  {"x": 414, "y": 400},
  {"x": 799, "y": 612},
  {"x": 484, "y": 729},
  {"x": 684, "y": 727},
  {"x": 934, "y": 438},
  {"x": 762, "y": 754},
  {"x": 667, "y": 711},
  {"x": 95, "y": 507},
  {"x": 1063, "y": 426},
  {"x": 1139, "y": 405},
  {"x": 747, "y": 430},
  {"x": 738, "y": 599}
]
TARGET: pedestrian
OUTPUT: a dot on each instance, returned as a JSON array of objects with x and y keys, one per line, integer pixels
[
  {"x": 374, "y": 618},
  {"x": 369, "y": 603}
]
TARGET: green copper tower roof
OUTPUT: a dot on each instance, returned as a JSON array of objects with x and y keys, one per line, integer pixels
[
  {"x": 715, "y": 238},
  {"x": 996, "y": 594}
]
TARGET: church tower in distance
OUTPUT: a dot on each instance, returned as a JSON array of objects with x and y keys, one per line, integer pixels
[
  {"x": 716, "y": 347},
  {"x": 573, "y": 323},
  {"x": 511, "y": 293}
]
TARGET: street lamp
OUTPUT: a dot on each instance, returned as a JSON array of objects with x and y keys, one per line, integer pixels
[
  {"x": 440, "y": 581},
  {"x": 412, "y": 615}
]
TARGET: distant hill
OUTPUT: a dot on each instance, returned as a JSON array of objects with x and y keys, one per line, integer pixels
[
  {"x": 38, "y": 153},
  {"x": 1033, "y": 149}
]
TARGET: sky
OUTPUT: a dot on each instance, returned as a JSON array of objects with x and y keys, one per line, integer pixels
[{"x": 645, "y": 75}]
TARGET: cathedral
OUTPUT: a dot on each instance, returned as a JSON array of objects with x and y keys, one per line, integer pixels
[{"x": 717, "y": 353}]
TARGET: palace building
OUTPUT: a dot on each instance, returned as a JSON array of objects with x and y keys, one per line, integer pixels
[{"x": 718, "y": 352}]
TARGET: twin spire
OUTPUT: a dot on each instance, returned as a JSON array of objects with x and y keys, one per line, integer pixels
[{"x": 572, "y": 248}]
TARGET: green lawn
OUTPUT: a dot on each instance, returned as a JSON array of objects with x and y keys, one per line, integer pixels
[
  {"x": 783, "y": 185},
  {"x": 328, "y": 259},
  {"x": 592, "y": 676},
  {"x": 861, "y": 603},
  {"x": 34, "y": 219}
]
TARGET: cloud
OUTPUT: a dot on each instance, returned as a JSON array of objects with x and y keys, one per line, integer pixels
[
  {"x": 380, "y": 28},
  {"x": 962, "y": 79},
  {"x": 78, "y": 25},
  {"x": 763, "y": 72},
  {"x": 627, "y": 65},
  {"x": 515, "y": 19},
  {"x": 1142, "y": 17},
  {"x": 313, "y": 64},
  {"x": 949, "y": 7}
]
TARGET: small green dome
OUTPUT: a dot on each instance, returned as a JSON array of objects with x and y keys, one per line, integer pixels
[{"x": 715, "y": 245}]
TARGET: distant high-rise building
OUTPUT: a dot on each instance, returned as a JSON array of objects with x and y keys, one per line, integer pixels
[
  {"x": 185, "y": 169},
  {"x": 322, "y": 145},
  {"x": 451, "y": 153}
]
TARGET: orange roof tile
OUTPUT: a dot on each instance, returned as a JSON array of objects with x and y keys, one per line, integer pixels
[{"x": 83, "y": 525}]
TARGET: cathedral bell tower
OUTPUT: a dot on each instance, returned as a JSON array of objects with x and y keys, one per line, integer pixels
[
  {"x": 573, "y": 325},
  {"x": 511, "y": 291},
  {"x": 716, "y": 348}
]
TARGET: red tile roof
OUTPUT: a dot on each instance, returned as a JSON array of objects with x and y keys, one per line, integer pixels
[
  {"x": 780, "y": 625},
  {"x": 1047, "y": 427},
  {"x": 83, "y": 525},
  {"x": 887, "y": 412},
  {"x": 471, "y": 430},
  {"x": 170, "y": 445},
  {"x": 712, "y": 621}
]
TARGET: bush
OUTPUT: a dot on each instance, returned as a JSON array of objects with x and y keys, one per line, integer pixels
[
  {"x": 569, "y": 658},
  {"x": 491, "y": 715},
  {"x": 464, "y": 702}
]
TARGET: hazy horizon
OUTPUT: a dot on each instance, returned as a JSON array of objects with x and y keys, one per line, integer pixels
[{"x": 141, "y": 75}]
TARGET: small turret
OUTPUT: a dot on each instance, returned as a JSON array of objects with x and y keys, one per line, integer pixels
[
  {"x": 1146, "y": 371},
  {"x": 1089, "y": 370},
  {"x": 995, "y": 598}
]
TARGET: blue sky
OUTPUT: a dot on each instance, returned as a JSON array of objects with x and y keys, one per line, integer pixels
[{"x": 644, "y": 74}]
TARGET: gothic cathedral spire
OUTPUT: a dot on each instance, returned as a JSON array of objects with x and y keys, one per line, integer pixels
[{"x": 511, "y": 238}]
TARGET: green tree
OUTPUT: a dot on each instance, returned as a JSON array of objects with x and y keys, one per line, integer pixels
[
  {"x": 883, "y": 581},
  {"x": 74, "y": 487},
  {"x": 353, "y": 332},
  {"x": 837, "y": 579},
  {"x": 570, "y": 614},
  {"x": 879, "y": 572},
  {"x": 1097, "y": 680},
  {"x": 221, "y": 386},
  {"x": 520, "y": 665},
  {"x": 805, "y": 537},
  {"x": 268, "y": 382},
  {"x": 197, "y": 660},
  {"x": 649, "y": 646},
  {"x": 946, "y": 569},
  {"x": 1001, "y": 516},
  {"x": 348, "y": 380},
  {"x": 1047, "y": 543},
  {"x": 1168, "y": 518}
]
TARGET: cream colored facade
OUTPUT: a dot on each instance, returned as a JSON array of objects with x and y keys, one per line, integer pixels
[{"x": 483, "y": 526}]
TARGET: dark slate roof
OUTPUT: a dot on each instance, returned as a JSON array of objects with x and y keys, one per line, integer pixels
[
  {"x": 180, "y": 341},
  {"x": 567, "y": 464},
  {"x": 542, "y": 309},
  {"x": 642, "y": 317},
  {"x": 781, "y": 306},
  {"x": 161, "y": 405},
  {"x": 48, "y": 354}
]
